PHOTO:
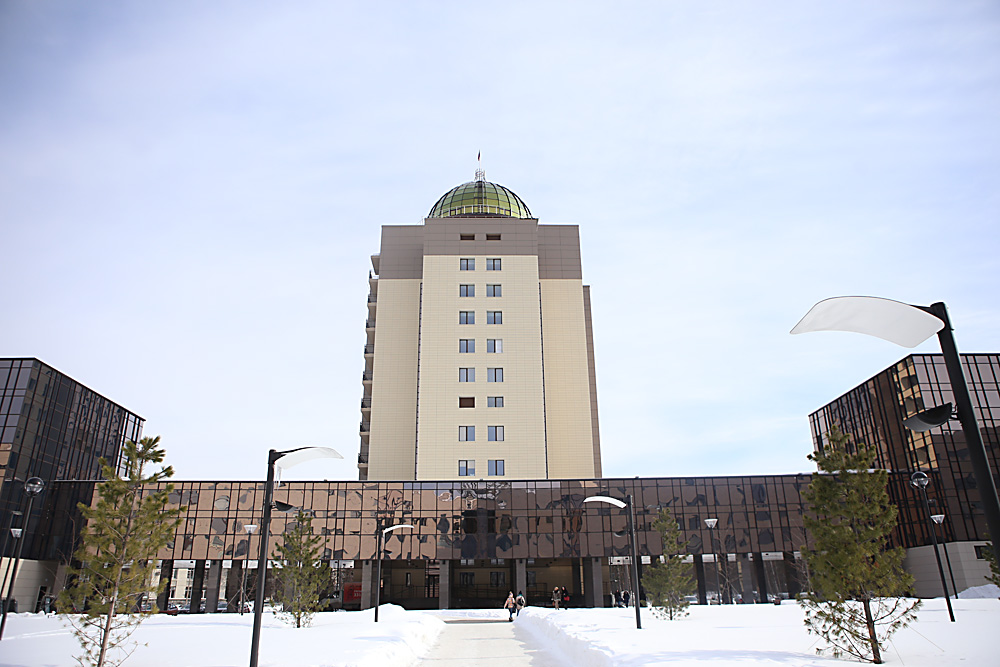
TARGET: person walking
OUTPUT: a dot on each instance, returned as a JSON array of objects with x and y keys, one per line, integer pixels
[
  {"x": 519, "y": 600},
  {"x": 626, "y": 596},
  {"x": 510, "y": 605},
  {"x": 565, "y": 598},
  {"x": 556, "y": 597}
]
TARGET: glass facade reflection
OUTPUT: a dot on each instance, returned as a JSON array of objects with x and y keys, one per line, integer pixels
[
  {"x": 54, "y": 428},
  {"x": 874, "y": 412},
  {"x": 495, "y": 519}
]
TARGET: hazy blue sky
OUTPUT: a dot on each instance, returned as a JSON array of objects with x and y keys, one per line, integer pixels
[{"x": 190, "y": 193}]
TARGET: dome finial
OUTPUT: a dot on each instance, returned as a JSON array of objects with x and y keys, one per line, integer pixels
[{"x": 480, "y": 174}]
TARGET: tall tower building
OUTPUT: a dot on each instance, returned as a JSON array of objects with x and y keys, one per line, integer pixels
[{"x": 479, "y": 360}]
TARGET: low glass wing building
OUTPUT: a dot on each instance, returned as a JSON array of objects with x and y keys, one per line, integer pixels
[{"x": 473, "y": 541}]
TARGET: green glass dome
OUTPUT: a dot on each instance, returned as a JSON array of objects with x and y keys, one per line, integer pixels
[{"x": 479, "y": 199}]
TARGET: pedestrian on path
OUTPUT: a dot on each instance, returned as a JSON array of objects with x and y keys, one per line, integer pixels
[
  {"x": 556, "y": 597},
  {"x": 519, "y": 600},
  {"x": 565, "y": 598},
  {"x": 510, "y": 605}
]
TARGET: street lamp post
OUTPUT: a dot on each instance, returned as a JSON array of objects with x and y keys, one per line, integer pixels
[
  {"x": 250, "y": 529},
  {"x": 908, "y": 325},
  {"x": 292, "y": 457},
  {"x": 380, "y": 542},
  {"x": 631, "y": 531},
  {"x": 938, "y": 519},
  {"x": 32, "y": 487},
  {"x": 919, "y": 480},
  {"x": 711, "y": 523}
]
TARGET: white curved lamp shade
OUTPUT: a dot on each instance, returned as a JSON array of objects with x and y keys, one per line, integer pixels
[
  {"x": 306, "y": 454},
  {"x": 604, "y": 499},
  {"x": 894, "y": 321}
]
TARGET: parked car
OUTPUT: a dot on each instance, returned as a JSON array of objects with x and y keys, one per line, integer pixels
[{"x": 171, "y": 610}]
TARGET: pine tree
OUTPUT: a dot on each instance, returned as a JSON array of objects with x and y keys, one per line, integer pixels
[
  {"x": 124, "y": 529},
  {"x": 302, "y": 577},
  {"x": 856, "y": 581},
  {"x": 668, "y": 581}
]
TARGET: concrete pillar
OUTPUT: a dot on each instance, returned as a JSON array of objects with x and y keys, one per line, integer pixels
[
  {"x": 368, "y": 574},
  {"x": 233, "y": 584},
  {"x": 167, "y": 575},
  {"x": 214, "y": 583},
  {"x": 762, "y": 590},
  {"x": 444, "y": 585},
  {"x": 575, "y": 593},
  {"x": 699, "y": 575},
  {"x": 521, "y": 576},
  {"x": 593, "y": 583},
  {"x": 197, "y": 586}
]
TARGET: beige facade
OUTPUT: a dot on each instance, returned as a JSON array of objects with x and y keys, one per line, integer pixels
[{"x": 479, "y": 359}]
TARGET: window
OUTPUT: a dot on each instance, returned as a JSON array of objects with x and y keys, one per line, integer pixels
[
  {"x": 494, "y": 290},
  {"x": 467, "y": 401},
  {"x": 466, "y": 468},
  {"x": 495, "y": 468},
  {"x": 494, "y": 401},
  {"x": 492, "y": 237},
  {"x": 466, "y": 578},
  {"x": 467, "y": 290},
  {"x": 467, "y": 237},
  {"x": 466, "y": 433},
  {"x": 494, "y": 345},
  {"x": 467, "y": 264},
  {"x": 466, "y": 317},
  {"x": 466, "y": 374},
  {"x": 493, "y": 264},
  {"x": 494, "y": 317},
  {"x": 466, "y": 345},
  {"x": 498, "y": 579},
  {"x": 493, "y": 374},
  {"x": 495, "y": 433}
]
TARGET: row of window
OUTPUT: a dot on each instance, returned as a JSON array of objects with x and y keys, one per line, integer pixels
[
  {"x": 469, "y": 375},
  {"x": 468, "y": 433},
  {"x": 470, "y": 401},
  {"x": 468, "y": 345},
  {"x": 472, "y": 237},
  {"x": 467, "y": 468},
  {"x": 470, "y": 290},
  {"x": 469, "y": 264},
  {"x": 469, "y": 317}
]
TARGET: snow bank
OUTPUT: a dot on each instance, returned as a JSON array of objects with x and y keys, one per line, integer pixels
[
  {"x": 341, "y": 639},
  {"x": 980, "y": 592},
  {"x": 726, "y": 635}
]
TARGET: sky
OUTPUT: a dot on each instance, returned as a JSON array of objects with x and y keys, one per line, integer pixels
[{"x": 190, "y": 194}]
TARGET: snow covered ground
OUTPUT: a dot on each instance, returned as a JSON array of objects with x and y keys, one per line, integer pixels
[{"x": 743, "y": 635}]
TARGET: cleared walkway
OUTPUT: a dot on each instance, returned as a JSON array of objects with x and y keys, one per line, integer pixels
[{"x": 486, "y": 641}]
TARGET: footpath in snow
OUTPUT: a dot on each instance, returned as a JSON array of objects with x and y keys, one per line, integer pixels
[{"x": 715, "y": 636}]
